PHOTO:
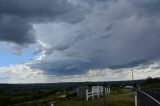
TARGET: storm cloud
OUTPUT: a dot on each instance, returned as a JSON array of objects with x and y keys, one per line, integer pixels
[
  {"x": 17, "y": 17},
  {"x": 82, "y": 35},
  {"x": 115, "y": 34}
]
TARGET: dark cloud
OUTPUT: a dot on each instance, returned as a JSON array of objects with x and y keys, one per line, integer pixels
[
  {"x": 63, "y": 67},
  {"x": 84, "y": 34},
  {"x": 16, "y": 30},
  {"x": 17, "y": 17},
  {"x": 148, "y": 7},
  {"x": 117, "y": 34}
]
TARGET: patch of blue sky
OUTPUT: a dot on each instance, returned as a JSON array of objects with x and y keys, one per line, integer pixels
[{"x": 7, "y": 57}]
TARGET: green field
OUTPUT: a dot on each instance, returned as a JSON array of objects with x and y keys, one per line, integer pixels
[
  {"x": 114, "y": 100},
  {"x": 118, "y": 97}
]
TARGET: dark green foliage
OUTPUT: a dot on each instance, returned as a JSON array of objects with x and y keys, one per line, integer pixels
[
  {"x": 152, "y": 83},
  {"x": 71, "y": 95},
  {"x": 10, "y": 96}
]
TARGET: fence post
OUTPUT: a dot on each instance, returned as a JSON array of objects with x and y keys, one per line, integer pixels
[
  {"x": 139, "y": 88},
  {"x": 101, "y": 91},
  {"x": 92, "y": 94},
  {"x": 87, "y": 94},
  {"x": 105, "y": 91},
  {"x": 135, "y": 98},
  {"x": 98, "y": 94},
  {"x": 52, "y": 104}
]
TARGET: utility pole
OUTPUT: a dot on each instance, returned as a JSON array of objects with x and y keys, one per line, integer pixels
[
  {"x": 132, "y": 78},
  {"x": 135, "y": 99},
  {"x": 132, "y": 75}
]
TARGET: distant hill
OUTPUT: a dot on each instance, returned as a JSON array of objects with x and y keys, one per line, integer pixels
[{"x": 68, "y": 84}]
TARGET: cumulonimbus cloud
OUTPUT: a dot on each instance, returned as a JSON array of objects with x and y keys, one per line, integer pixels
[
  {"x": 115, "y": 34},
  {"x": 17, "y": 17},
  {"x": 81, "y": 36}
]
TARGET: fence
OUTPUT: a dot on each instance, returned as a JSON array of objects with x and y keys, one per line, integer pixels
[{"x": 97, "y": 90}]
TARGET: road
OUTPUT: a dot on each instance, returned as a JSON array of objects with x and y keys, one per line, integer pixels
[{"x": 149, "y": 97}]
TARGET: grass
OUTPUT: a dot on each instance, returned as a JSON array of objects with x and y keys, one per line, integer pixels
[
  {"x": 112, "y": 100},
  {"x": 118, "y": 97},
  {"x": 116, "y": 91},
  {"x": 120, "y": 100}
]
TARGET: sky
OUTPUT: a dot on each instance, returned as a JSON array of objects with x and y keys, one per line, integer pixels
[{"x": 46, "y": 41}]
